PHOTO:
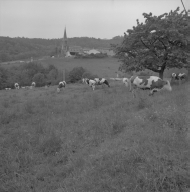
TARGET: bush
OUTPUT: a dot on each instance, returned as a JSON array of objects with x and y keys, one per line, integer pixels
[
  {"x": 89, "y": 75},
  {"x": 39, "y": 78},
  {"x": 76, "y": 74}
]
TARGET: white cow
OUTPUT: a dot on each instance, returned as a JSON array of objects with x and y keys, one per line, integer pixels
[
  {"x": 101, "y": 81},
  {"x": 61, "y": 85},
  {"x": 16, "y": 85},
  {"x": 7, "y": 89},
  {"x": 178, "y": 77},
  {"x": 33, "y": 84},
  {"x": 89, "y": 82},
  {"x": 125, "y": 81},
  {"x": 153, "y": 83}
]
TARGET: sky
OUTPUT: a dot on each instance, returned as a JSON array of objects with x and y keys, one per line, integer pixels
[{"x": 102, "y": 19}]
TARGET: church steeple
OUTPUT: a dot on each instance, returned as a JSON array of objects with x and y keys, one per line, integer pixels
[
  {"x": 65, "y": 34},
  {"x": 65, "y": 47}
]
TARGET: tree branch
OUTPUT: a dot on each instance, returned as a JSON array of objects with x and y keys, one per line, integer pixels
[{"x": 183, "y": 6}]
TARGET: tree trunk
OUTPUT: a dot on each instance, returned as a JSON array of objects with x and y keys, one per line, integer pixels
[{"x": 161, "y": 74}]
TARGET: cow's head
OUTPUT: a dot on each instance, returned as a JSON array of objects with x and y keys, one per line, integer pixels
[
  {"x": 167, "y": 86},
  {"x": 174, "y": 75}
]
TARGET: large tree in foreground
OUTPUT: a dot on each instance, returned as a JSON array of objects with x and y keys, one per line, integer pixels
[{"x": 158, "y": 44}]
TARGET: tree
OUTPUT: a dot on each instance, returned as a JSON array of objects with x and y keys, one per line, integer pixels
[
  {"x": 157, "y": 44},
  {"x": 3, "y": 77}
]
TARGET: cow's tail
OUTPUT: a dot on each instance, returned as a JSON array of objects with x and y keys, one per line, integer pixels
[{"x": 106, "y": 82}]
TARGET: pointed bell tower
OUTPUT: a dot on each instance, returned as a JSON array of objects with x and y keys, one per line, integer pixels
[{"x": 65, "y": 47}]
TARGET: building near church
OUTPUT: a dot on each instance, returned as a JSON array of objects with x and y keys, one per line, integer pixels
[{"x": 69, "y": 51}]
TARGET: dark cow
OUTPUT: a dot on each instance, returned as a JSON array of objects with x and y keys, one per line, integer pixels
[
  {"x": 153, "y": 83},
  {"x": 101, "y": 81},
  {"x": 61, "y": 85}
]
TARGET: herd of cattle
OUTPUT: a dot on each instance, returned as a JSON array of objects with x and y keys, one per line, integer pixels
[{"x": 153, "y": 83}]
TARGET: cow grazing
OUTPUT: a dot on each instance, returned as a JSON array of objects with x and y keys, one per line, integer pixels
[
  {"x": 125, "y": 81},
  {"x": 61, "y": 85},
  {"x": 33, "y": 84},
  {"x": 89, "y": 82},
  {"x": 16, "y": 85},
  {"x": 153, "y": 83},
  {"x": 47, "y": 84},
  {"x": 101, "y": 81},
  {"x": 178, "y": 77}
]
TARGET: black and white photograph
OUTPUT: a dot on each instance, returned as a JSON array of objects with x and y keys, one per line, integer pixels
[{"x": 94, "y": 95}]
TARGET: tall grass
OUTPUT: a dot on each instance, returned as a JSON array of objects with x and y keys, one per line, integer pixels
[{"x": 102, "y": 140}]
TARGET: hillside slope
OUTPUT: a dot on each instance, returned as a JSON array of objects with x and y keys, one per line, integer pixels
[{"x": 24, "y": 48}]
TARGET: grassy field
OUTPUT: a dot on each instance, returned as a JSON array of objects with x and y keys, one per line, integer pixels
[
  {"x": 102, "y": 141},
  {"x": 106, "y": 67}
]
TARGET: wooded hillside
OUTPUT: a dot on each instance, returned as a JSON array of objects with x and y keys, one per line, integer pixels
[{"x": 23, "y": 48}]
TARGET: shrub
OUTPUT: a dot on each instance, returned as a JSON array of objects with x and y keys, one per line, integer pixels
[
  {"x": 76, "y": 74},
  {"x": 88, "y": 75},
  {"x": 39, "y": 78}
]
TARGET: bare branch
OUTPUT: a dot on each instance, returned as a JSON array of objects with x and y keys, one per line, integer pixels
[{"x": 183, "y": 6}]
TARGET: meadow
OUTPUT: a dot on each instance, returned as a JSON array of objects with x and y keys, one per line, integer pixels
[
  {"x": 102, "y": 67},
  {"x": 81, "y": 140}
]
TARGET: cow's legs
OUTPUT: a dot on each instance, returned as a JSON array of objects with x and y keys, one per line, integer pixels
[
  {"x": 152, "y": 91},
  {"x": 106, "y": 82},
  {"x": 93, "y": 87}
]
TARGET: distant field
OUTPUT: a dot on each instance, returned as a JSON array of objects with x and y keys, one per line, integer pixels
[{"x": 106, "y": 67}]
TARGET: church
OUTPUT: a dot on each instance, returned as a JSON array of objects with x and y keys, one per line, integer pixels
[{"x": 69, "y": 51}]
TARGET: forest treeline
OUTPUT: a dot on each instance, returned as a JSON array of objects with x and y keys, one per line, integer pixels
[
  {"x": 18, "y": 48},
  {"x": 26, "y": 73}
]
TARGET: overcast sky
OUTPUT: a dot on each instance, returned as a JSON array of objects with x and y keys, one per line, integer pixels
[{"x": 82, "y": 18}]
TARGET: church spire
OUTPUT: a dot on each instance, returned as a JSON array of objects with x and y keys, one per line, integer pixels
[
  {"x": 65, "y": 47},
  {"x": 65, "y": 34}
]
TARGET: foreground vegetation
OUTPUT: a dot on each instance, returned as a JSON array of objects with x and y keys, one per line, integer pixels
[{"x": 80, "y": 140}]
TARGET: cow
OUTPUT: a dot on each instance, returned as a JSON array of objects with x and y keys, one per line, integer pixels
[
  {"x": 89, "y": 82},
  {"x": 125, "y": 81},
  {"x": 101, "y": 81},
  {"x": 153, "y": 83},
  {"x": 33, "y": 84},
  {"x": 16, "y": 85},
  {"x": 61, "y": 85},
  {"x": 47, "y": 84},
  {"x": 178, "y": 76},
  {"x": 7, "y": 89}
]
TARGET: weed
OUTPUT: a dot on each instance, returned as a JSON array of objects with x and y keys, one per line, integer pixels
[
  {"x": 29, "y": 107},
  {"x": 50, "y": 145},
  {"x": 143, "y": 103},
  {"x": 5, "y": 103}
]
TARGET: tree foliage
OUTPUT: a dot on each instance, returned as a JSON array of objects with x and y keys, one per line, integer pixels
[{"x": 157, "y": 44}]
